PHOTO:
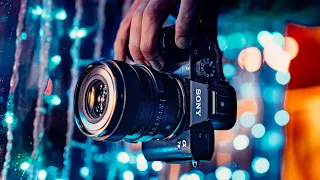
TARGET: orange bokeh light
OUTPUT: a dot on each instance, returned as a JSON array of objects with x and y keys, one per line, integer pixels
[
  {"x": 291, "y": 46},
  {"x": 250, "y": 59}
]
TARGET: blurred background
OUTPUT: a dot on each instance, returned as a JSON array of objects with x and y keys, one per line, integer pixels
[{"x": 271, "y": 57}]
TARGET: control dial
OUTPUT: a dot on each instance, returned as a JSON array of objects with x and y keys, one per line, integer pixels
[{"x": 206, "y": 68}]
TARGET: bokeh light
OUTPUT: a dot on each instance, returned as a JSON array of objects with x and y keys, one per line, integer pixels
[
  {"x": 250, "y": 59},
  {"x": 157, "y": 166},
  {"x": 42, "y": 174},
  {"x": 229, "y": 70},
  {"x": 223, "y": 173},
  {"x": 272, "y": 95},
  {"x": 194, "y": 176},
  {"x": 53, "y": 100},
  {"x": 123, "y": 157},
  {"x": 246, "y": 105},
  {"x": 24, "y": 166},
  {"x": 24, "y": 36},
  {"x": 184, "y": 177},
  {"x": 291, "y": 46},
  {"x": 247, "y": 90},
  {"x": 37, "y": 11},
  {"x": 142, "y": 164},
  {"x": 278, "y": 38},
  {"x": 247, "y": 119},
  {"x": 282, "y": 117},
  {"x": 61, "y": 14},
  {"x": 81, "y": 33},
  {"x": 258, "y": 130},
  {"x": 276, "y": 57},
  {"x": 9, "y": 118},
  {"x": 222, "y": 42},
  {"x": 283, "y": 78},
  {"x": 84, "y": 172},
  {"x": 240, "y": 175},
  {"x": 260, "y": 165},
  {"x": 265, "y": 38},
  {"x": 240, "y": 142},
  {"x": 56, "y": 59},
  {"x": 128, "y": 175},
  {"x": 272, "y": 140}
]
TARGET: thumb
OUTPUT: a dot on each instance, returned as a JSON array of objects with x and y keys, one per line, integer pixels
[{"x": 187, "y": 21}]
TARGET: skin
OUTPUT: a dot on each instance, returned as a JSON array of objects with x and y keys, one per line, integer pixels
[{"x": 139, "y": 28}]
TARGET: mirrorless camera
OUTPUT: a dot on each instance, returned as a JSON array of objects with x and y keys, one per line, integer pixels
[{"x": 174, "y": 117}]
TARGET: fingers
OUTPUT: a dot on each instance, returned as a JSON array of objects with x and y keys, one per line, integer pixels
[
  {"x": 154, "y": 15},
  {"x": 186, "y": 22},
  {"x": 135, "y": 33},
  {"x": 122, "y": 38}
]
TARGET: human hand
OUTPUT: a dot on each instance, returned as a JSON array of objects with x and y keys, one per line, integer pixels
[{"x": 142, "y": 23}]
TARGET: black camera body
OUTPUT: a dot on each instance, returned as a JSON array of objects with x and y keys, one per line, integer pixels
[
  {"x": 174, "y": 117},
  {"x": 211, "y": 100}
]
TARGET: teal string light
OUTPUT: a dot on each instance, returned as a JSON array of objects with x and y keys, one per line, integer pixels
[
  {"x": 61, "y": 15},
  {"x": 9, "y": 116},
  {"x": 24, "y": 166},
  {"x": 37, "y": 10}
]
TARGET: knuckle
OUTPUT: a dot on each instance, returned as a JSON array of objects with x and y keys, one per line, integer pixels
[
  {"x": 134, "y": 49},
  {"x": 150, "y": 15},
  {"x": 147, "y": 51}
]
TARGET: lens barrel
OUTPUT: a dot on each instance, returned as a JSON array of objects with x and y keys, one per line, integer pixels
[{"x": 117, "y": 101}]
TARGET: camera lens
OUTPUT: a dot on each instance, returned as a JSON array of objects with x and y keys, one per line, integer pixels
[
  {"x": 96, "y": 99},
  {"x": 117, "y": 101}
]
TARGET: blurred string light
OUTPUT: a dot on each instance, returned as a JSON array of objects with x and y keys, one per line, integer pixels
[
  {"x": 240, "y": 175},
  {"x": 258, "y": 130},
  {"x": 37, "y": 11},
  {"x": 123, "y": 157},
  {"x": 272, "y": 140},
  {"x": 291, "y": 46},
  {"x": 61, "y": 15},
  {"x": 84, "y": 172},
  {"x": 78, "y": 33},
  {"x": 24, "y": 166},
  {"x": 53, "y": 100},
  {"x": 24, "y": 36},
  {"x": 9, "y": 117},
  {"x": 249, "y": 59},
  {"x": 128, "y": 175},
  {"x": 56, "y": 59},
  {"x": 241, "y": 142},
  {"x": 42, "y": 174},
  {"x": 282, "y": 117},
  {"x": 157, "y": 165},
  {"x": 260, "y": 165},
  {"x": 247, "y": 119},
  {"x": 283, "y": 78},
  {"x": 223, "y": 173},
  {"x": 229, "y": 70}
]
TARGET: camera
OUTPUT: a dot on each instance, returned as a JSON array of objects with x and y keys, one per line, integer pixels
[{"x": 173, "y": 116}]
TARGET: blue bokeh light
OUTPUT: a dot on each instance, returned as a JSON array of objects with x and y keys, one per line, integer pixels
[
  {"x": 84, "y": 172},
  {"x": 272, "y": 140},
  {"x": 264, "y": 38},
  {"x": 42, "y": 174},
  {"x": 240, "y": 175},
  {"x": 247, "y": 90},
  {"x": 128, "y": 175},
  {"x": 272, "y": 95},
  {"x": 184, "y": 177},
  {"x": 258, "y": 130},
  {"x": 283, "y": 78},
  {"x": 240, "y": 142},
  {"x": 229, "y": 70},
  {"x": 282, "y": 117},
  {"x": 223, "y": 173},
  {"x": 260, "y": 165},
  {"x": 123, "y": 157},
  {"x": 157, "y": 165},
  {"x": 222, "y": 42},
  {"x": 194, "y": 176},
  {"x": 247, "y": 119},
  {"x": 278, "y": 38}
]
